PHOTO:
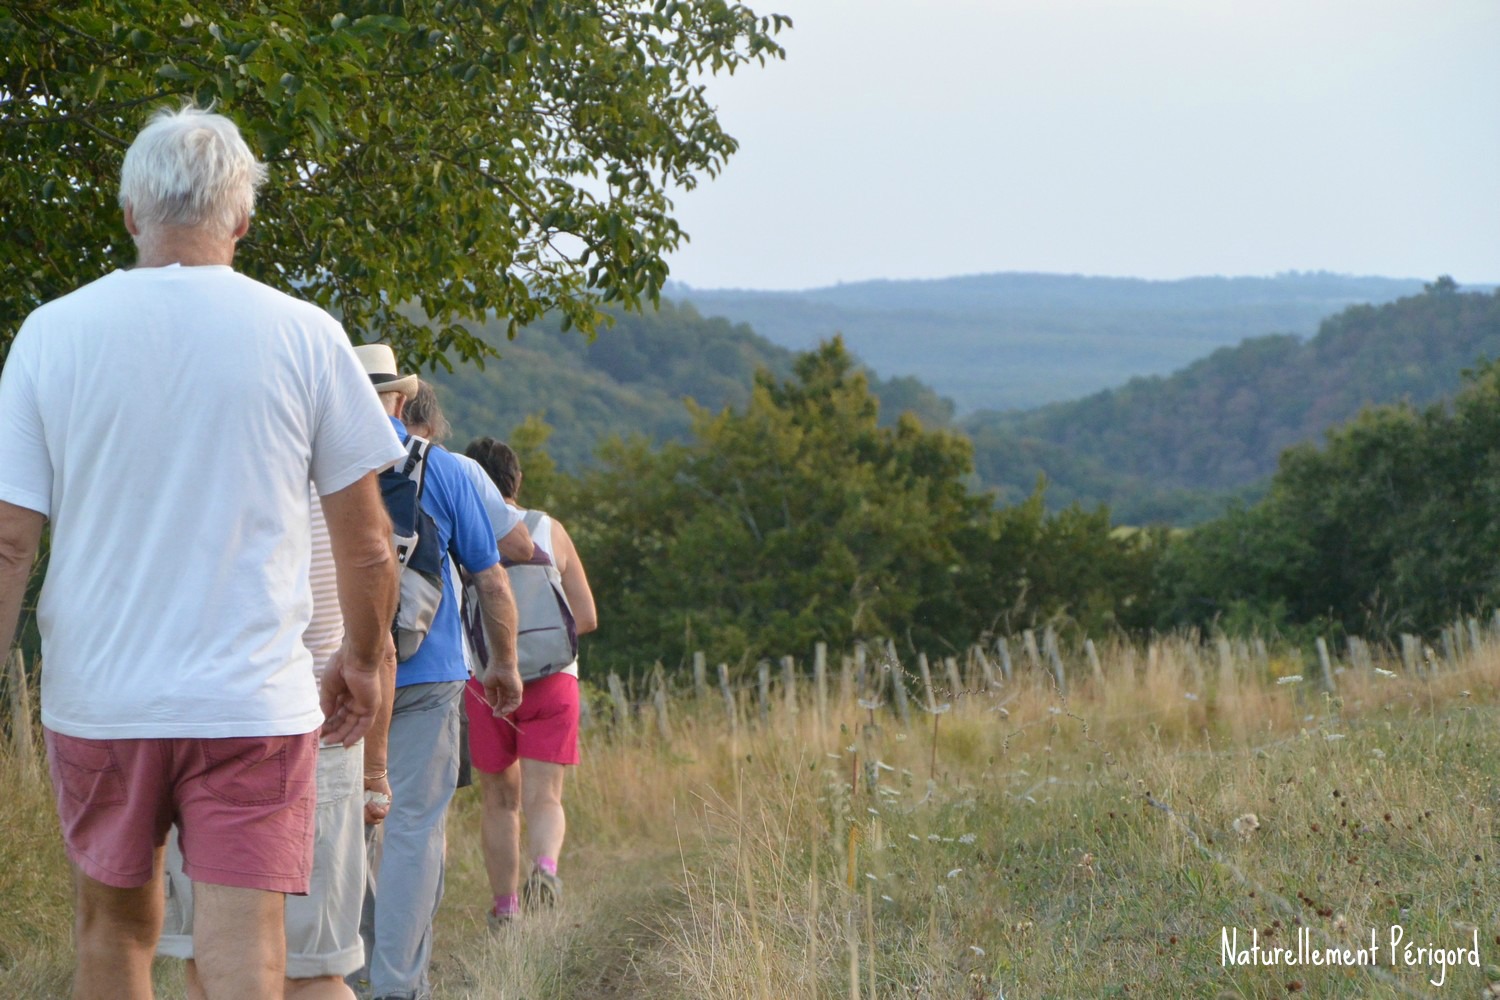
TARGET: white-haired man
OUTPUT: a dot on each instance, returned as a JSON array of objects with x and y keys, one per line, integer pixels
[
  {"x": 422, "y": 752},
  {"x": 175, "y": 685}
]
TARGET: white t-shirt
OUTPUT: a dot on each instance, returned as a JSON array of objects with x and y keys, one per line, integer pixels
[{"x": 167, "y": 421}]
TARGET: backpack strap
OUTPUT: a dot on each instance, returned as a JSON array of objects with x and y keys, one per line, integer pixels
[{"x": 415, "y": 467}]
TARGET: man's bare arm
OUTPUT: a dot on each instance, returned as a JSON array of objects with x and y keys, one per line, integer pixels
[
  {"x": 20, "y": 534},
  {"x": 501, "y": 679},
  {"x": 360, "y": 532},
  {"x": 365, "y": 567},
  {"x": 517, "y": 545}
]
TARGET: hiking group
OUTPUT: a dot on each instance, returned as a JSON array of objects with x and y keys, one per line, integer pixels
[{"x": 253, "y": 746}]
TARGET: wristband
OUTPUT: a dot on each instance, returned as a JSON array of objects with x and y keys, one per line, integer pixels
[{"x": 377, "y": 776}]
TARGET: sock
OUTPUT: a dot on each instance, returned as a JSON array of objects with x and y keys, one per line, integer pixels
[
  {"x": 546, "y": 864},
  {"x": 507, "y": 906}
]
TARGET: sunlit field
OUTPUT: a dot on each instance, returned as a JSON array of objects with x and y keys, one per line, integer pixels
[{"x": 1007, "y": 841}]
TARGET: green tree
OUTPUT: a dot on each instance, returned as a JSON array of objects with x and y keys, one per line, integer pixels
[
  {"x": 796, "y": 519},
  {"x": 474, "y": 157},
  {"x": 1393, "y": 525}
]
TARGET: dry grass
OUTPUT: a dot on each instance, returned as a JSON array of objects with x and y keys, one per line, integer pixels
[{"x": 1019, "y": 845}]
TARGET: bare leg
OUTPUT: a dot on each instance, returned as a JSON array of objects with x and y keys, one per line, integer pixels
[
  {"x": 116, "y": 932},
  {"x": 541, "y": 801},
  {"x": 194, "y": 984},
  {"x": 239, "y": 941},
  {"x": 318, "y": 988},
  {"x": 500, "y": 828}
]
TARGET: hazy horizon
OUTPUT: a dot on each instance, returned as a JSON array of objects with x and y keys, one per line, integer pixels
[{"x": 1159, "y": 139}]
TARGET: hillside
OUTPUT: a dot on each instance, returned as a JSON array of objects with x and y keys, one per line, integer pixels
[
  {"x": 1154, "y": 447},
  {"x": 1012, "y": 341},
  {"x": 632, "y": 379}
]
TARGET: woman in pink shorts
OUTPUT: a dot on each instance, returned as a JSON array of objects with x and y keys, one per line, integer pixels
[{"x": 520, "y": 759}]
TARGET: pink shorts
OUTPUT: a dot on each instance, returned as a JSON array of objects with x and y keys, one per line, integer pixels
[
  {"x": 243, "y": 805},
  {"x": 545, "y": 726}
]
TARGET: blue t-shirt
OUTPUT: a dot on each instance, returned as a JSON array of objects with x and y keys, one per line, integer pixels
[{"x": 464, "y": 529}]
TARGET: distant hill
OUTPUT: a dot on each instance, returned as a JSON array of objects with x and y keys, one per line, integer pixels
[
  {"x": 1011, "y": 341},
  {"x": 1168, "y": 449},
  {"x": 631, "y": 379}
]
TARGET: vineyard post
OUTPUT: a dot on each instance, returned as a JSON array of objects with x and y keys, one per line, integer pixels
[
  {"x": 1411, "y": 654},
  {"x": 1449, "y": 656},
  {"x": 926, "y": 672},
  {"x": 789, "y": 682},
  {"x": 986, "y": 668},
  {"x": 622, "y": 707},
  {"x": 1325, "y": 664},
  {"x": 1049, "y": 637},
  {"x": 820, "y": 683},
  {"x": 1003, "y": 648},
  {"x": 729, "y": 706},
  {"x": 846, "y": 681},
  {"x": 898, "y": 685},
  {"x": 659, "y": 698},
  {"x": 1092, "y": 653},
  {"x": 700, "y": 676},
  {"x": 763, "y": 677},
  {"x": 954, "y": 681},
  {"x": 1028, "y": 646}
]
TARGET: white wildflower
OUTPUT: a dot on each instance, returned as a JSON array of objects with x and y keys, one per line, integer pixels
[
  {"x": 870, "y": 703},
  {"x": 1331, "y": 737},
  {"x": 1384, "y": 672},
  {"x": 967, "y": 838},
  {"x": 1378, "y": 754},
  {"x": 1289, "y": 679},
  {"x": 1245, "y": 825},
  {"x": 1190, "y": 696},
  {"x": 955, "y": 873}
]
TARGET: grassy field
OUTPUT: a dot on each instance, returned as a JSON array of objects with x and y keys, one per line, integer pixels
[{"x": 1017, "y": 844}]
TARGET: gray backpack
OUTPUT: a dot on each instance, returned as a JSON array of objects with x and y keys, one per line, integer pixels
[{"x": 546, "y": 634}]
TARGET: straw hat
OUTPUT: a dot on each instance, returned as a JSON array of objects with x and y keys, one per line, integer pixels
[{"x": 380, "y": 364}]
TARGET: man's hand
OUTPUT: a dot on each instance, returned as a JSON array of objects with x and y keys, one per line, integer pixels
[
  {"x": 502, "y": 686},
  {"x": 377, "y": 799},
  {"x": 351, "y": 694}
]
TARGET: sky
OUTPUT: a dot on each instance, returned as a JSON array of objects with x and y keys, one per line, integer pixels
[{"x": 1143, "y": 138}]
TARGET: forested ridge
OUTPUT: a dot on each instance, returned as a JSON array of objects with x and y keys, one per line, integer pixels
[
  {"x": 1167, "y": 449},
  {"x": 1015, "y": 340},
  {"x": 631, "y": 379}
]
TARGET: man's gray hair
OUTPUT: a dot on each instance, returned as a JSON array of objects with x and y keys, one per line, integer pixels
[
  {"x": 190, "y": 167},
  {"x": 424, "y": 409}
]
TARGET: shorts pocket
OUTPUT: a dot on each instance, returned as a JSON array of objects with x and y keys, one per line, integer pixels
[
  {"x": 246, "y": 771},
  {"x": 339, "y": 773},
  {"x": 88, "y": 771}
]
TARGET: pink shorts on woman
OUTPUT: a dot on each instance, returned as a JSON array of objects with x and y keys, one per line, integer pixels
[{"x": 544, "y": 728}]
